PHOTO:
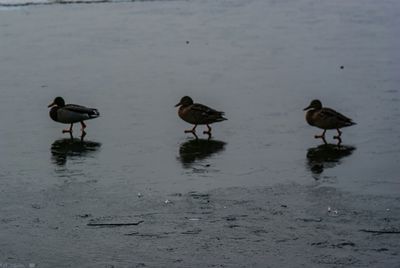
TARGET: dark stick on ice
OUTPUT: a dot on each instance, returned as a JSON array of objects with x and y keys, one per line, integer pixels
[
  {"x": 380, "y": 231},
  {"x": 114, "y": 224}
]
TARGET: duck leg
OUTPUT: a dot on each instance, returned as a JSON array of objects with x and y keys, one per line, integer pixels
[
  {"x": 195, "y": 135},
  {"x": 193, "y": 130},
  {"x": 338, "y": 137},
  {"x": 322, "y": 136},
  {"x": 68, "y": 130},
  {"x": 339, "y": 134},
  {"x": 83, "y": 130},
  {"x": 208, "y": 132},
  {"x": 83, "y": 126}
]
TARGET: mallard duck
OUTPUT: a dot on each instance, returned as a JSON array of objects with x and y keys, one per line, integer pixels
[
  {"x": 198, "y": 114},
  {"x": 326, "y": 118},
  {"x": 71, "y": 113}
]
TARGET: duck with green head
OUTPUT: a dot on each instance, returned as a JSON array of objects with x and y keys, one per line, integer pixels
[
  {"x": 326, "y": 118},
  {"x": 71, "y": 113},
  {"x": 198, "y": 114}
]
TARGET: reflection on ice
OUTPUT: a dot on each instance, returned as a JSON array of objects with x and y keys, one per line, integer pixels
[
  {"x": 63, "y": 149},
  {"x": 198, "y": 149},
  {"x": 326, "y": 156}
]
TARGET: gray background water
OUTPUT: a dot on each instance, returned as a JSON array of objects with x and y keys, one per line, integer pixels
[{"x": 259, "y": 61}]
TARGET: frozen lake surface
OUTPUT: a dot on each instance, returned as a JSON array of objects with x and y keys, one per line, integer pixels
[{"x": 262, "y": 192}]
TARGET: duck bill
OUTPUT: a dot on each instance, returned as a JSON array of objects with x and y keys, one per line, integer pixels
[
  {"x": 308, "y": 107},
  {"x": 178, "y": 104},
  {"x": 51, "y": 105}
]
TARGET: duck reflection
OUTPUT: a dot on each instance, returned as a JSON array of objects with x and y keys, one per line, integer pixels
[
  {"x": 326, "y": 156},
  {"x": 198, "y": 149},
  {"x": 63, "y": 149}
]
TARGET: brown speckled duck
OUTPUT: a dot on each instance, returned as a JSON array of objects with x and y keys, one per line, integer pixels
[
  {"x": 198, "y": 114},
  {"x": 70, "y": 114},
  {"x": 326, "y": 118}
]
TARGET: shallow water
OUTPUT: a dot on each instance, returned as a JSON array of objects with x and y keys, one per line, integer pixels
[{"x": 259, "y": 61}]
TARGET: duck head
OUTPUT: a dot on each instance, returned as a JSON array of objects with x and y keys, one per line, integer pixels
[
  {"x": 185, "y": 101},
  {"x": 58, "y": 101},
  {"x": 315, "y": 104}
]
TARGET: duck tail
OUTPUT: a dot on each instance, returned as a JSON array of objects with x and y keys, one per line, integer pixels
[{"x": 220, "y": 118}]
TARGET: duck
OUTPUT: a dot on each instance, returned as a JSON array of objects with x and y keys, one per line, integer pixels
[
  {"x": 326, "y": 118},
  {"x": 70, "y": 114},
  {"x": 198, "y": 114}
]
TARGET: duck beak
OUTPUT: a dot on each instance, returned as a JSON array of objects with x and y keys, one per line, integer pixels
[
  {"x": 176, "y": 105},
  {"x": 51, "y": 105},
  {"x": 308, "y": 107}
]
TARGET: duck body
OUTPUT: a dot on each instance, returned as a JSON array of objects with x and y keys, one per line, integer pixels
[
  {"x": 71, "y": 113},
  {"x": 198, "y": 114},
  {"x": 326, "y": 118}
]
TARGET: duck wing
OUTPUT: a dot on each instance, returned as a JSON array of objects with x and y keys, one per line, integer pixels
[
  {"x": 334, "y": 118},
  {"x": 72, "y": 113},
  {"x": 91, "y": 112},
  {"x": 205, "y": 114}
]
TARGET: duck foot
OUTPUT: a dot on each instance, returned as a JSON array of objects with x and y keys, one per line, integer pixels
[
  {"x": 193, "y": 130},
  {"x": 338, "y": 137},
  {"x": 83, "y": 135},
  {"x": 322, "y": 136},
  {"x": 339, "y": 140},
  {"x": 68, "y": 130},
  {"x": 193, "y": 133},
  {"x": 208, "y": 131}
]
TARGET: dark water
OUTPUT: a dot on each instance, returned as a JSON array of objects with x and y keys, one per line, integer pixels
[{"x": 259, "y": 61}]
